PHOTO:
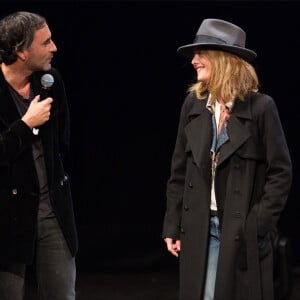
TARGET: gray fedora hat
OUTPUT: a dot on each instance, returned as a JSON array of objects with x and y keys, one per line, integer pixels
[{"x": 218, "y": 34}]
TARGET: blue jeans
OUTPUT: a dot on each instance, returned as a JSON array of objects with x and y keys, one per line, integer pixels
[
  {"x": 213, "y": 253},
  {"x": 55, "y": 268}
]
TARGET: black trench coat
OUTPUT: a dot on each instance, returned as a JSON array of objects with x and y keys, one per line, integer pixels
[{"x": 252, "y": 183}]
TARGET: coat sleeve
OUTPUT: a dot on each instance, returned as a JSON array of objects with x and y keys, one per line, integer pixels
[
  {"x": 278, "y": 176},
  {"x": 175, "y": 184}
]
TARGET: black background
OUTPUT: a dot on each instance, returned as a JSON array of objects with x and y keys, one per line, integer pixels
[{"x": 126, "y": 84}]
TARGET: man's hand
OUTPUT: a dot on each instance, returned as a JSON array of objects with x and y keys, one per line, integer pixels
[{"x": 38, "y": 112}]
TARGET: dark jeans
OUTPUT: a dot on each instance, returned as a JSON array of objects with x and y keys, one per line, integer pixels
[{"x": 55, "y": 268}]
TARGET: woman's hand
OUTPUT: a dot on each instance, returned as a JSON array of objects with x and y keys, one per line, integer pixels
[{"x": 173, "y": 246}]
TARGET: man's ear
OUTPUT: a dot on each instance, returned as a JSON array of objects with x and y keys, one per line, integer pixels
[{"x": 22, "y": 54}]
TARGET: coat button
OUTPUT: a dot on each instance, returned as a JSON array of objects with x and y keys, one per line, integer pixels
[
  {"x": 181, "y": 230},
  {"x": 236, "y": 238},
  {"x": 190, "y": 184},
  {"x": 186, "y": 208},
  {"x": 62, "y": 181},
  {"x": 14, "y": 191}
]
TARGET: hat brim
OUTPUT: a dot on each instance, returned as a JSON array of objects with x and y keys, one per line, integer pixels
[{"x": 189, "y": 50}]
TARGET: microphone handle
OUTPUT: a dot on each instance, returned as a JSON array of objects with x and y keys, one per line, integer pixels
[{"x": 44, "y": 93}]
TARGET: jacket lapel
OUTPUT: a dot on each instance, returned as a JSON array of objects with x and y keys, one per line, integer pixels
[
  {"x": 238, "y": 133},
  {"x": 199, "y": 134},
  {"x": 8, "y": 110}
]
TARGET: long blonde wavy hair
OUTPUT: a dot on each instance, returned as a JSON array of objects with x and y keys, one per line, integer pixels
[{"x": 231, "y": 77}]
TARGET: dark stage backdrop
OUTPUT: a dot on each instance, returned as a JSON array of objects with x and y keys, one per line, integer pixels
[{"x": 126, "y": 85}]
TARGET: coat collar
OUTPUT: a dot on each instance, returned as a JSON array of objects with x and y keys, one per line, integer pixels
[{"x": 199, "y": 130}]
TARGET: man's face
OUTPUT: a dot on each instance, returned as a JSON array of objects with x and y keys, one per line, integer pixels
[{"x": 40, "y": 52}]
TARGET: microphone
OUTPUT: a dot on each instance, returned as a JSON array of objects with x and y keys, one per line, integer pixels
[{"x": 47, "y": 81}]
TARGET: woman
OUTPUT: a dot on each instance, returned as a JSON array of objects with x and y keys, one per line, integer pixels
[{"x": 230, "y": 175}]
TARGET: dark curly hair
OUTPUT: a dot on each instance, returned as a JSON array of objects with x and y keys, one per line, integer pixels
[{"x": 17, "y": 32}]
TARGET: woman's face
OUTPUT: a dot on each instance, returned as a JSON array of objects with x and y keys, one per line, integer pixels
[{"x": 202, "y": 65}]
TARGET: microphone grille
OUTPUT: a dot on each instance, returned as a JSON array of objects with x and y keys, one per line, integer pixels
[{"x": 47, "y": 80}]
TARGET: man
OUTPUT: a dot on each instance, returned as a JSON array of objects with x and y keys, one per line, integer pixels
[{"x": 37, "y": 223}]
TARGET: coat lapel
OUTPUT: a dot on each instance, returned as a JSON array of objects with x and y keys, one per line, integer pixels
[
  {"x": 238, "y": 133},
  {"x": 199, "y": 134},
  {"x": 8, "y": 110}
]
